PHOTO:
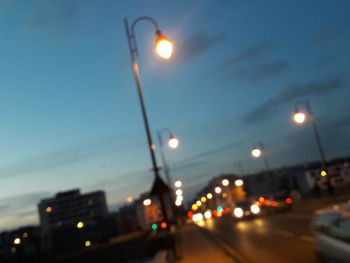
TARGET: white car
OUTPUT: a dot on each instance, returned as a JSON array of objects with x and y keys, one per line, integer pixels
[{"x": 332, "y": 233}]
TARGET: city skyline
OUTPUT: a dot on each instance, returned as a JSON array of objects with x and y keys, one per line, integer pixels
[{"x": 69, "y": 107}]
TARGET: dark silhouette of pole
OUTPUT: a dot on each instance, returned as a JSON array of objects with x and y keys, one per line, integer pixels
[
  {"x": 165, "y": 163},
  {"x": 318, "y": 143},
  {"x": 135, "y": 69}
]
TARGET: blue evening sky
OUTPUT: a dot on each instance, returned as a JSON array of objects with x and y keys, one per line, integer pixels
[{"x": 69, "y": 109}]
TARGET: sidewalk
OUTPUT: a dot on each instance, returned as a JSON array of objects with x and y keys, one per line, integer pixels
[{"x": 194, "y": 246}]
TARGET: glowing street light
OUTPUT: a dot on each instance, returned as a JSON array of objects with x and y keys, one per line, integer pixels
[
  {"x": 209, "y": 196},
  {"x": 178, "y": 192},
  {"x": 178, "y": 184},
  {"x": 173, "y": 142},
  {"x": 256, "y": 152},
  {"x": 147, "y": 202},
  {"x": 17, "y": 241},
  {"x": 198, "y": 203},
  {"x": 225, "y": 182},
  {"x": 239, "y": 182},
  {"x": 178, "y": 202},
  {"x": 164, "y": 48},
  {"x": 180, "y": 198},
  {"x": 299, "y": 117},
  {"x": 80, "y": 224},
  {"x": 218, "y": 190},
  {"x": 87, "y": 243}
]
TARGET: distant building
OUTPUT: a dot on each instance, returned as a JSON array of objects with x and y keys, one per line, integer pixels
[{"x": 70, "y": 214}]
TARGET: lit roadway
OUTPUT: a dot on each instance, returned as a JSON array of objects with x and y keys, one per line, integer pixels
[{"x": 275, "y": 238}]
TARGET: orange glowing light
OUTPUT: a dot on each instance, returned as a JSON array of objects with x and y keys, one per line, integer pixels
[
  {"x": 163, "y": 225},
  {"x": 163, "y": 46}
]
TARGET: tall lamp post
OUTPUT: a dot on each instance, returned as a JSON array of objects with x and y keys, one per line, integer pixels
[
  {"x": 259, "y": 151},
  {"x": 300, "y": 117},
  {"x": 164, "y": 48},
  {"x": 173, "y": 143}
]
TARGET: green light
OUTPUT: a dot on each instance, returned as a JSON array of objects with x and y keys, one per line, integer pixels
[
  {"x": 219, "y": 209},
  {"x": 154, "y": 226}
]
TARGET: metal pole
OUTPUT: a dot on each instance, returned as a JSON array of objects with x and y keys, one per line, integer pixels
[
  {"x": 151, "y": 146},
  {"x": 267, "y": 166},
  {"x": 319, "y": 146},
  {"x": 165, "y": 164}
]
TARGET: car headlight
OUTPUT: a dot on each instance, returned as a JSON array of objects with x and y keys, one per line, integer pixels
[
  {"x": 255, "y": 209},
  {"x": 238, "y": 212}
]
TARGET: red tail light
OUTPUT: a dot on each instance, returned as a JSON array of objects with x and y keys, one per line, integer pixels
[
  {"x": 273, "y": 203},
  {"x": 163, "y": 225},
  {"x": 289, "y": 200},
  {"x": 190, "y": 214}
]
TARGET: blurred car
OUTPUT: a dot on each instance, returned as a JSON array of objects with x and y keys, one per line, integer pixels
[
  {"x": 276, "y": 203},
  {"x": 332, "y": 233},
  {"x": 246, "y": 208}
]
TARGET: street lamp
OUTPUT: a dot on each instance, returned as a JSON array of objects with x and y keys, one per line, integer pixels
[
  {"x": 173, "y": 143},
  {"x": 218, "y": 190},
  {"x": 80, "y": 224},
  {"x": 164, "y": 48},
  {"x": 258, "y": 151},
  {"x": 178, "y": 184},
  {"x": 225, "y": 182},
  {"x": 300, "y": 117},
  {"x": 239, "y": 182},
  {"x": 147, "y": 202}
]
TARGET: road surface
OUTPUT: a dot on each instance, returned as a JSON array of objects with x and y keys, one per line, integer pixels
[{"x": 272, "y": 239}]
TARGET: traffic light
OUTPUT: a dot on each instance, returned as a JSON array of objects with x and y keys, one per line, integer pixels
[{"x": 154, "y": 227}]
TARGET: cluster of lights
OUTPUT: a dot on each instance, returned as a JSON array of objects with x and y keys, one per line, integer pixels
[
  {"x": 178, "y": 192},
  {"x": 218, "y": 190}
]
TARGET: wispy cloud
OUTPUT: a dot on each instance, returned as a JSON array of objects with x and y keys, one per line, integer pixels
[
  {"x": 261, "y": 71},
  {"x": 318, "y": 87},
  {"x": 246, "y": 66},
  {"x": 57, "y": 13},
  {"x": 20, "y": 210},
  {"x": 248, "y": 54},
  {"x": 66, "y": 156},
  {"x": 321, "y": 37},
  {"x": 325, "y": 61},
  {"x": 197, "y": 44}
]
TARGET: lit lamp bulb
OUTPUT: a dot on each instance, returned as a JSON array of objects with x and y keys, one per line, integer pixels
[
  {"x": 173, "y": 142},
  {"x": 256, "y": 153},
  {"x": 225, "y": 182},
  {"x": 217, "y": 190},
  {"x": 163, "y": 46},
  {"x": 178, "y": 184},
  {"x": 239, "y": 182},
  {"x": 299, "y": 117}
]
